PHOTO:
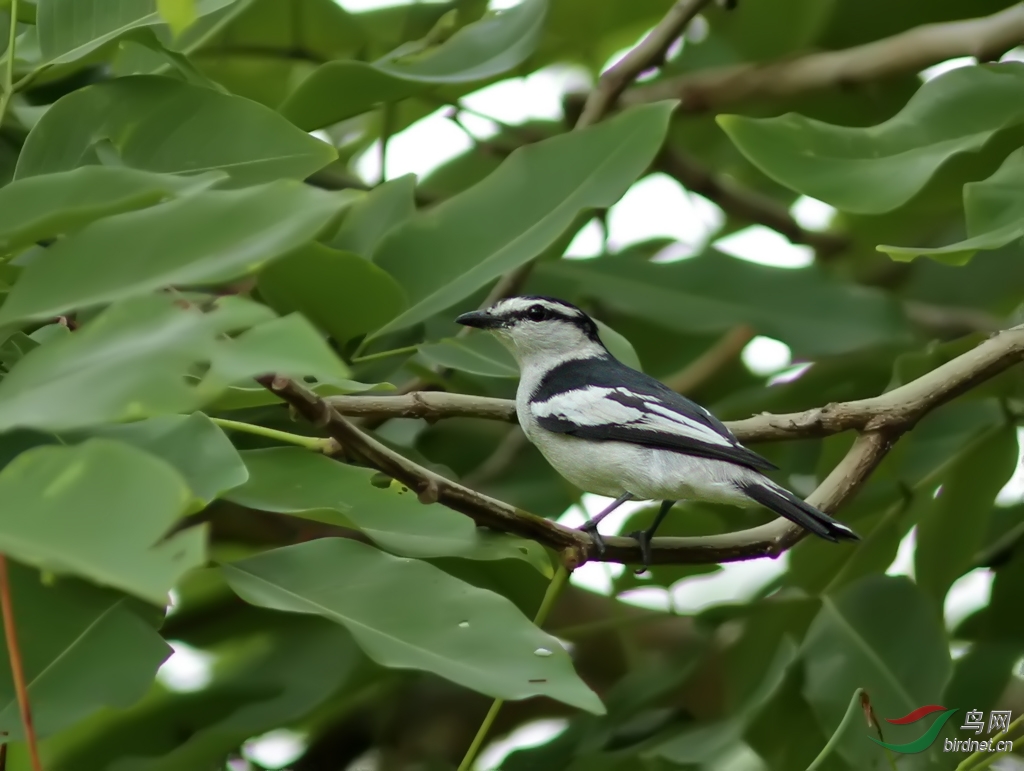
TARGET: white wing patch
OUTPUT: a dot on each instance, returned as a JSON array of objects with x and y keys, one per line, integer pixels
[
  {"x": 592, "y": 407},
  {"x": 587, "y": 407},
  {"x": 661, "y": 418}
]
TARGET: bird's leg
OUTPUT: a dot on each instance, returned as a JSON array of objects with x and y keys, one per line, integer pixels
[
  {"x": 591, "y": 526},
  {"x": 644, "y": 537}
]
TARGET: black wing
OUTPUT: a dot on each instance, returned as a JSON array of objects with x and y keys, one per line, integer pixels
[{"x": 603, "y": 399}]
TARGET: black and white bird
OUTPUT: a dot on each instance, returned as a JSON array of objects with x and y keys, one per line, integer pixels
[{"x": 614, "y": 431}]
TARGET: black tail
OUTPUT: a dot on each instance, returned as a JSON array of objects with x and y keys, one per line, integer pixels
[{"x": 784, "y": 503}]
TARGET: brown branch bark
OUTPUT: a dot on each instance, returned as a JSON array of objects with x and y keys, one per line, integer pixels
[
  {"x": 880, "y": 419},
  {"x": 17, "y": 667},
  {"x": 986, "y": 38},
  {"x": 738, "y": 201},
  {"x": 649, "y": 53}
]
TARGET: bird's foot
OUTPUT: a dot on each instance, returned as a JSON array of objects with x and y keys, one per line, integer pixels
[
  {"x": 591, "y": 529},
  {"x": 643, "y": 538}
]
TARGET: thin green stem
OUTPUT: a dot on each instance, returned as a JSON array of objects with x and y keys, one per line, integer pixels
[
  {"x": 833, "y": 742},
  {"x": 5, "y": 97},
  {"x": 385, "y": 354},
  {"x": 988, "y": 758},
  {"x": 553, "y": 590},
  {"x": 309, "y": 442}
]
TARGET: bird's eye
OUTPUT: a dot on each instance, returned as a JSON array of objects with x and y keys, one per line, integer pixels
[{"x": 536, "y": 313}]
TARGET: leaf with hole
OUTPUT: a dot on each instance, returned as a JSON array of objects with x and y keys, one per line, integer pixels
[{"x": 408, "y": 614}]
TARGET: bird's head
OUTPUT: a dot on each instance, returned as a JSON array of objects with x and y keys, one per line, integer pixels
[{"x": 532, "y": 327}]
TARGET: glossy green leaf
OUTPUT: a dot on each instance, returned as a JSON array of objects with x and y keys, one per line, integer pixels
[
  {"x": 206, "y": 238},
  {"x": 497, "y": 43},
  {"x": 953, "y": 529},
  {"x": 295, "y": 481},
  {"x": 994, "y": 208},
  {"x": 618, "y": 346},
  {"x": 135, "y": 361},
  {"x": 42, "y": 207},
  {"x": 479, "y": 51},
  {"x": 342, "y": 293},
  {"x": 408, "y": 614},
  {"x": 164, "y": 125},
  {"x": 61, "y": 505},
  {"x": 196, "y": 447},
  {"x": 715, "y": 292},
  {"x": 879, "y": 168},
  {"x": 443, "y": 255},
  {"x": 882, "y": 635},
  {"x": 477, "y": 353},
  {"x": 72, "y": 29},
  {"x": 370, "y": 218},
  {"x": 286, "y": 346},
  {"x": 82, "y": 648}
]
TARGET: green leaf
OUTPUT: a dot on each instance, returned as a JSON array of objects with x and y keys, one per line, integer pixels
[
  {"x": 287, "y": 346},
  {"x": 882, "y": 635},
  {"x": 270, "y": 671},
  {"x": 137, "y": 359},
  {"x": 294, "y": 481},
  {"x": 192, "y": 444},
  {"x": 618, "y": 346},
  {"x": 71, "y": 29},
  {"x": 497, "y": 43},
  {"x": 206, "y": 238},
  {"x": 179, "y": 14},
  {"x": 712, "y": 293},
  {"x": 99, "y": 510},
  {"x": 408, "y": 614},
  {"x": 164, "y": 125},
  {"x": 995, "y": 216},
  {"x": 342, "y": 293},
  {"x": 703, "y": 742},
  {"x": 953, "y": 529},
  {"x": 477, "y": 353},
  {"x": 42, "y": 207},
  {"x": 444, "y": 255},
  {"x": 83, "y": 648},
  {"x": 341, "y": 89},
  {"x": 370, "y": 218},
  {"x": 879, "y": 168}
]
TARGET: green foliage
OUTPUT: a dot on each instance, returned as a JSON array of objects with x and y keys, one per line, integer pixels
[{"x": 172, "y": 237}]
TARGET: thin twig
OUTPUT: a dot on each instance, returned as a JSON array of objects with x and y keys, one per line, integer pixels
[
  {"x": 881, "y": 421},
  {"x": 711, "y": 89},
  {"x": 17, "y": 667},
  {"x": 738, "y": 201},
  {"x": 649, "y": 53},
  {"x": 707, "y": 365}
]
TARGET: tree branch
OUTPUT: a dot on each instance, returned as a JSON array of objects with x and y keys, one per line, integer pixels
[
  {"x": 986, "y": 38},
  {"x": 649, "y": 53},
  {"x": 901, "y": 407},
  {"x": 738, "y": 201},
  {"x": 881, "y": 419}
]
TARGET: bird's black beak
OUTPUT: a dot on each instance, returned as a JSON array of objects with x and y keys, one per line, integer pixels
[{"x": 479, "y": 319}]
